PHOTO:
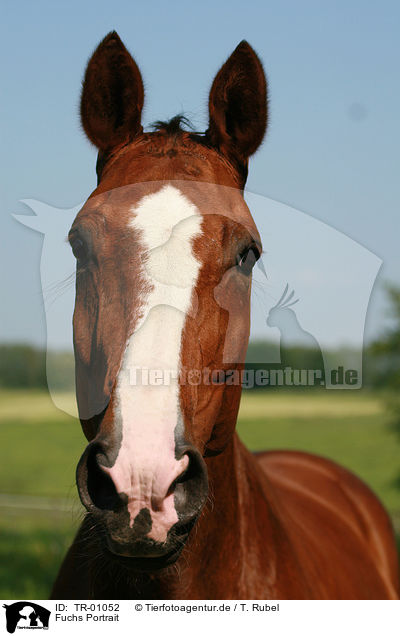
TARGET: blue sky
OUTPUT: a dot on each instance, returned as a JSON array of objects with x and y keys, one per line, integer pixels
[{"x": 332, "y": 149}]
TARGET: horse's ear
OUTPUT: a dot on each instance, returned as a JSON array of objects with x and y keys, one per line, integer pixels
[
  {"x": 112, "y": 95},
  {"x": 238, "y": 105}
]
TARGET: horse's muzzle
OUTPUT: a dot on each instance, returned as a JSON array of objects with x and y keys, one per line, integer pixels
[
  {"x": 133, "y": 540},
  {"x": 146, "y": 555}
]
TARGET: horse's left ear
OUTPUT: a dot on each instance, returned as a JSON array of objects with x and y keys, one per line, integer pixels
[
  {"x": 112, "y": 95},
  {"x": 238, "y": 105}
]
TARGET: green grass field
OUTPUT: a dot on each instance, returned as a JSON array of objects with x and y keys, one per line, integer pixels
[{"x": 39, "y": 507}]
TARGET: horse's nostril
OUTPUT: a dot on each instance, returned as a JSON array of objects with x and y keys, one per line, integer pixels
[
  {"x": 191, "y": 487},
  {"x": 185, "y": 476},
  {"x": 193, "y": 469},
  {"x": 101, "y": 488},
  {"x": 96, "y": 488}
]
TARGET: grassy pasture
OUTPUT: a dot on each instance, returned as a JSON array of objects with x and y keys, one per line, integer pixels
[{"x": 39, "y": 507}]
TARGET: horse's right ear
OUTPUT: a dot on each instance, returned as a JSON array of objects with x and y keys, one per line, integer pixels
[
  {"x": 112, "y": 95},
  {"x": 238, "y": 105}
]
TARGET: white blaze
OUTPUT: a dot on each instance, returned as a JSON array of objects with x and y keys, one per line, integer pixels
[{"x": 166, "y": 223}]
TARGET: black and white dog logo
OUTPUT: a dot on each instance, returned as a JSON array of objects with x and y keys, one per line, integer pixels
[{"x": 26, "y": 615}]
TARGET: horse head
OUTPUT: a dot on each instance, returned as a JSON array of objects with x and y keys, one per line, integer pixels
[{"x": 166, "y": 225}]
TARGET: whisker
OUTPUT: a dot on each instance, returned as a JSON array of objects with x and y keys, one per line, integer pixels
[{"x": 54, "y": 291}]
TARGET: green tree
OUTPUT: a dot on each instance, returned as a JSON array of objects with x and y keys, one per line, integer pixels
[
  {"x": 386, "y": 353},
  {"x": 386, "y": 350}
]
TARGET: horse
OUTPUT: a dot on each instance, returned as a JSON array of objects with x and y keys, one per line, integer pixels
[{"x": 176, "y": 506}]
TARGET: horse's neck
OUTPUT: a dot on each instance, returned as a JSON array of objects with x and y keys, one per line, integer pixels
[
  {"x": 240, "y": 523},
  {"x": 233, "y": 538}
]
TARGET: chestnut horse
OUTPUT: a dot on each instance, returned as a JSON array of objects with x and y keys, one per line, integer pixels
[{"x": 177, "y": 507}]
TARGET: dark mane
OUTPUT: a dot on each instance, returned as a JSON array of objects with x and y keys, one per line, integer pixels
[
  {"x": 174, "y": 126},
  {"x": 180, "y": 124}
]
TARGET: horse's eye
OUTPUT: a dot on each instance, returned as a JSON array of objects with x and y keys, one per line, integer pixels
[
  {"x": 247, "y": 259},
  {"x": 78, "y": 248}
]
